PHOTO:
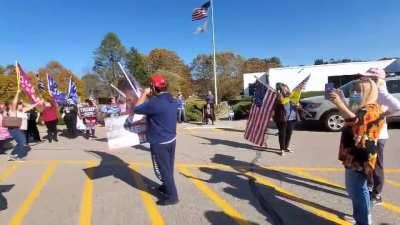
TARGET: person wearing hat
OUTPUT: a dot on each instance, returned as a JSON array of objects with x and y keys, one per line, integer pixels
[
  {"x": 161, "y": 109},
  {"x": 393, "y": 106},
  {"x": 70, "y": 112}
]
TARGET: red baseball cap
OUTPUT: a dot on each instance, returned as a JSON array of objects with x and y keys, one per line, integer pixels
[{"x": 158, "y": 81}]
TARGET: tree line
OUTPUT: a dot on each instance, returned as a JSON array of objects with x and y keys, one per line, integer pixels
[{"x": 193, "y": 78}]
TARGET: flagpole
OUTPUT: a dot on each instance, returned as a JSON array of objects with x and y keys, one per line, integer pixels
[
  {"x": 214, "y": 57},
  {"x": 69, "y": 86},
  {"x": 18, "y": 74}
]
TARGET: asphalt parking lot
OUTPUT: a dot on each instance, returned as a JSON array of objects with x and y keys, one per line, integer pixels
[{"x": 221, "y": 179}]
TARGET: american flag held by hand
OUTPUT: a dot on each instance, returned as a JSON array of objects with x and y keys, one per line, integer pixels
[
  {"x": 303, "y": 83},
  {"x": 201, "y": 13},
  {"x": 260, "y": 113}
]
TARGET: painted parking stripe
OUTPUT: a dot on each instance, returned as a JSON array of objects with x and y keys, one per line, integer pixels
[
  {"x": 393, "y": 183},
  {"x": 387, "y": 205},
  {"x": 315, "y": 178},
  {"x": 207, "y": 165},
  {"x": 28, "y": 202},
  {"x": 306, "y": 205},
  {"x": 9, "y": 170},
  {"x": 151, "y": 207},
  {"x": 86, "y": 210},
  {"x": 217, "y": 199}
]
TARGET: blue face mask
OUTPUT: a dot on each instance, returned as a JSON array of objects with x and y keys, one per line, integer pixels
[{"x": 355, "y": 100}]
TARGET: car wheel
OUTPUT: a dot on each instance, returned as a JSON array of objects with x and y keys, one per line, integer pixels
[{"x": 334, "y": 121}]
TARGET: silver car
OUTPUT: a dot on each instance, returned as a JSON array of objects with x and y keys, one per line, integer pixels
[{"x": 319, "y": 109}]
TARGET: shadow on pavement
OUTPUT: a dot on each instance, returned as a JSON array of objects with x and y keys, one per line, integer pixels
[
  {"x": 271, "y": 203},
  {"x": 112, "y": 165},
  {"x": 219, "y": 218},
  {"x": 3, "y": 200},
  {"x": 101, "y": 139},
  {"x": 234, "y": 144}
]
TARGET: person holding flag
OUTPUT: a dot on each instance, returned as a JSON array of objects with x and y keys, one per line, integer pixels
[
  {"x": 70, "y": 114},
  {"x": 287, "y": 112}
]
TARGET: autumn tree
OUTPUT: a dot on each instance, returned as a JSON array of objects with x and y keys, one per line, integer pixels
[
  {"x": 229, "y": 74},
  {"x": 254, "y": 65},
  {"x": 61, "y": 76},
  {"x": 166, "y": 60},
  {"x": 107, "y": 55}
]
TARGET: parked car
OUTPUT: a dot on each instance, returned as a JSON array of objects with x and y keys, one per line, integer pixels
[{"x": 320, "y": 109}]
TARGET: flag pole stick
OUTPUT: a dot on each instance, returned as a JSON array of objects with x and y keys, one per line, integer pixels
[
  {"x": 18, "y": 78},
  {"x": 129, "y": 80},
  {"x": 214, "y": 57},
  {"x": 69, "y": 86},
  {"x": 119, "y": 91}
]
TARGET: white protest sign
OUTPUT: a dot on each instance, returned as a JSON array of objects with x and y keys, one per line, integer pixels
[{"x": 121, "y": 136}]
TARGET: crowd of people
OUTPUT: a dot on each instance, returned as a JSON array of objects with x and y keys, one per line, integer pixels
[
  {"x": 19, "y": 121},
  {"x": 361, "y": 146}
]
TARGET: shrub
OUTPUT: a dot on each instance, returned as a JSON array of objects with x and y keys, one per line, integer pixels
[
  {"x": 242, "y": 109},
  {"x": 194, "y": 109},
  {"x": 311, "y": 94}
]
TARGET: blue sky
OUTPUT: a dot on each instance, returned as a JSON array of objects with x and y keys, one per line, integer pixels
[{"x": 37, "y": 31}]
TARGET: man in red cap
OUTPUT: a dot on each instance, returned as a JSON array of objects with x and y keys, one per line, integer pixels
[
  {"x": 161, "y": 109},
  {"x": 393, "y": 105}
]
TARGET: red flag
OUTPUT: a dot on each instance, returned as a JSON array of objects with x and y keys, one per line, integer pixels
[
  {"x": 25, "y": 84},
  {"x": 260, "y": 114}
]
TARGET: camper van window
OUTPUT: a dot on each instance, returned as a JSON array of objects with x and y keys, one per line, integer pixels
[{"x": 393, "y": 86}]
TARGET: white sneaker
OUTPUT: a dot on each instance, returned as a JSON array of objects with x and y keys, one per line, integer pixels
[{"x": 349, "y": 219}]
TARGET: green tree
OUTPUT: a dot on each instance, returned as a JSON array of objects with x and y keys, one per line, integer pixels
[
  {"x": 136, "y": 64},
  {"x": 107, "y": 55},
  {"x": 274, "y": 62}
]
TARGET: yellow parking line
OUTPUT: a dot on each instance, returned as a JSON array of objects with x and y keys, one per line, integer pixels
[
  {"x": 28, "y": 202},
  {"x": 315, "y": 178},
  {"x": 387, "y": 205},
  {"x": 218, "y": 200},
  {"x": 307, "y": 205},
  {"x": 151, "y": 207},
  {"x": 393, "y": 183},
  {"x": 87, "y": 199},
  {"x": 10, "y": 169}
]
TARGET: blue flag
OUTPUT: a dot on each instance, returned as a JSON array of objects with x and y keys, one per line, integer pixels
[
  {"x": 72, "y": 91},
  {"x": 59, "y": 97}
]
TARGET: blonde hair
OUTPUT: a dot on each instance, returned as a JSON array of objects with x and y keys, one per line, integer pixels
[{"x": 369, "y": 91}]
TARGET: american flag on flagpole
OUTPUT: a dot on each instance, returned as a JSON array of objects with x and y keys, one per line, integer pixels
[
  {"x": 201, "y": 12},
  {"x": 303, "y": 83},
  {"x": 25, "y": 84},
  {"x": 260, "y": 113}
]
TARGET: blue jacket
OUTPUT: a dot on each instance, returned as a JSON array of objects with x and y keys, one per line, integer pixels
[{"x": 160, "y": 111}]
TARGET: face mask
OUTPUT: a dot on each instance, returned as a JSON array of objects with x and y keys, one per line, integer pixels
[{"x": 355, "y": 101}]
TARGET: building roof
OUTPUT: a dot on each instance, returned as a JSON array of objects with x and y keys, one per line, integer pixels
[{"x": 333, "y": 69}]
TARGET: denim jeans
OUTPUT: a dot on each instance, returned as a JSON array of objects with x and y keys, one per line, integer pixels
[
  {"x": 19, "y": 136},
  {"x": 357, "y": 188}
]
